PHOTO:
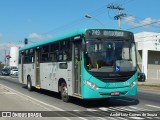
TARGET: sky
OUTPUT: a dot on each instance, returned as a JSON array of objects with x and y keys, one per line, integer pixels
[{"x": 42, "y": 19}]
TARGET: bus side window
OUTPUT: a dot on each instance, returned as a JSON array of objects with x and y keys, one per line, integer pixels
[
  {"x": 54, "y": 51},
  {"x": 44, "y": 53},
  {"x": 31, "y": 54},
  {"x": 65, "y": 55},
  {"x": 60, "y": 56},
  {"x": 51, "y": 57},
  {"x": 28, "y": 56},
  {"x": 65, "y": 50},
  {"x": 44, "y": 57}
]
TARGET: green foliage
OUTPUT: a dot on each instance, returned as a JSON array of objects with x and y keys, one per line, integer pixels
[{"x": 1, "y": 65}]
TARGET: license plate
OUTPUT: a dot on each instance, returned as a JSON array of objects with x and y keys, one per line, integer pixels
[{"x": 114, "y": 93}]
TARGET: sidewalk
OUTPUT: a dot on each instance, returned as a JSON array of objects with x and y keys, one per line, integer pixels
[
  {"x": 150, "y": 82},
  {"x": 13, "y": 101},
  {"x": 15, "y": 105}
]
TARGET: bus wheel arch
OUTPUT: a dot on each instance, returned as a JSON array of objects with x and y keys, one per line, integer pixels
[
  {"x": 29, "y": 83},
  {"x": 62, "y": 88}
]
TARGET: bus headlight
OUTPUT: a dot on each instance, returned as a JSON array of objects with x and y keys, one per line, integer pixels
[
  {"x": 133, "y": 84},
  {"x": 90, "y": 84}
]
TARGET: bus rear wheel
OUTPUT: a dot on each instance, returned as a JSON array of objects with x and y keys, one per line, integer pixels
[
  {"x": 64, "y": 92},
  {"x": 29, "y": 84}
]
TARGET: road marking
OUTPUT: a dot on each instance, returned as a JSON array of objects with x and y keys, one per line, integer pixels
[
  {"x": 98, "y": 118},
  {"x": 18, "y": 93},
  {"x": 122, "y": 109},
  {"x": 8, "y": 93},
  {"x": 112, "y": 118},
  {"x": 80, "y": 117},
  {"x": 98, "y": 114},
  {"x": 103, "y": 108},
  {"x": 122, "y": 118},
  {"x": 153, "y": 106},
  {"x": 137, "y": 118},
  {"x": 76, "y": 110},
  {"x": 106, "y": 109},
  {"x": 30, "y": 98},
  {"x": 141, "y": 109},
  {"x": 91, "y": 110},
  {"x": 111, "y": 108}
]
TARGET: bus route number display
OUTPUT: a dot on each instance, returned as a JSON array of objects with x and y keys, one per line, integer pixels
[{"x": 105, "y": 33}]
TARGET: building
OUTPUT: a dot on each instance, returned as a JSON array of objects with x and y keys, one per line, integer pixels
[
  {"x": 14, "y": 57},
  {"x": 148, "y": 46}
]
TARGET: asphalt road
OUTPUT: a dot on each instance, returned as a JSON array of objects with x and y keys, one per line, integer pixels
[{"x": 44, "y": 100}]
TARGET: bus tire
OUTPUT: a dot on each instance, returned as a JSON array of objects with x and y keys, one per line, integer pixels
[
  {"x": 29, "y": 84},
  {"x": 64, "y": 92}
]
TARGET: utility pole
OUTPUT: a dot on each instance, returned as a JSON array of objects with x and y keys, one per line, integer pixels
[{"x": 117, "y": 17}]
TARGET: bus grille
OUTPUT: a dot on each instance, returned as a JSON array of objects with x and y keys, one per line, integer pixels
[
  {"x": 113, "y": 76},
  {"x": 113, "y": 79}
]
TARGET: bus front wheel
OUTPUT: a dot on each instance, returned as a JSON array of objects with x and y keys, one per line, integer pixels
[
  {"x": 64, "y": 92},
  {"x": 29, "y": 84}
]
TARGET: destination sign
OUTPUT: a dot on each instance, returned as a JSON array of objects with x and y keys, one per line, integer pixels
[{"x": 101, "y": 33}]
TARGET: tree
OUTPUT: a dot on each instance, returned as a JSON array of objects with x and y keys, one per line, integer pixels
[{"x": 1, "y": 65}]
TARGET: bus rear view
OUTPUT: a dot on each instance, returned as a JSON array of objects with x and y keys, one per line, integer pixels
[{"x": 110, "y": 65}]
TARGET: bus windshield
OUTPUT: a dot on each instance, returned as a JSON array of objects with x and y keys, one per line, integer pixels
[{"x": 110, "y": 56}]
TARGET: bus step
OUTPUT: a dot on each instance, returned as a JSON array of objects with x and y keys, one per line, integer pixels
[
  {"x": 77, "y": 95},
  {"x": 38, "y": 87}
]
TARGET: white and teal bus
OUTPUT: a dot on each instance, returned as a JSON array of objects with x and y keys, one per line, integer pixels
[{"x": 87, "y": 64}]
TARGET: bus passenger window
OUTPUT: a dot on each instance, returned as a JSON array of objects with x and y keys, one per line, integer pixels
[
  {"x": 44, "y": 53},
  {"x": 65, "y": 49},
  {"x": 44, "y": 57},
  {"x": 60, "y": 57},
  {"x": 54, "y": 48},
  {"x": 65, "y": 55}
]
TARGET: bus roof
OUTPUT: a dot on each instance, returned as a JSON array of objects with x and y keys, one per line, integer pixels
[
  {"x": 72, "y": 34},
  {"x": 78, "y": 32}
]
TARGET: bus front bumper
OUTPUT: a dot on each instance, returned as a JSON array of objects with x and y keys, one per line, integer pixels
[{"x": 89, "y": 93}]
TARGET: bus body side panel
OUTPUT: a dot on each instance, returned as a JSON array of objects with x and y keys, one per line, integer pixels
[
  {"x": 51, "y": 73},
  {"x": 29, "y": 70},
  {"x": 47, "y": 76},
  {"x": 66, "y": 74}
]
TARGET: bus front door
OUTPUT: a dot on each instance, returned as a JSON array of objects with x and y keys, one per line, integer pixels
[
  {"x": 37, "y": 70},
  {"x": 77, "y": 61},
  {"x": 22, "y": 67}
]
